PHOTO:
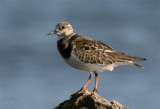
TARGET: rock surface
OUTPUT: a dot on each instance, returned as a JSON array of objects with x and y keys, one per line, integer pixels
[{"x": 88, "y": 100}]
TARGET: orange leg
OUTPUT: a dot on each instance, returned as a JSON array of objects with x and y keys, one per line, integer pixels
[
  {"x": 96, "y": 82},
  {"x": 85, "y": 85}
]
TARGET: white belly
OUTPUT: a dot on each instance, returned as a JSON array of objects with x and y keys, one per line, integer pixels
[{"x": 74, "y": 62}]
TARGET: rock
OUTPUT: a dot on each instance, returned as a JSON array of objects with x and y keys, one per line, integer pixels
[{"x": 89, "y": 100}]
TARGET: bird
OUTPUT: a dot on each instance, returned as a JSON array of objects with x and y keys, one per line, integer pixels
[{"x": 87, "y": 54}]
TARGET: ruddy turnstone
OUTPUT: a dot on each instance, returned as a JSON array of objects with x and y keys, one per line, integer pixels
[{"x": 88, "y": 54}]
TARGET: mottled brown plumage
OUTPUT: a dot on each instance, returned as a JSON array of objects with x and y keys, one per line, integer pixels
[
  {"x": 96, "y": 52},
  {"x": 87, "y": 54}
]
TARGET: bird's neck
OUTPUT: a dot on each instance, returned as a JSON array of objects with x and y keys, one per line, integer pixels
[
  {"x": 64, "y": 46},
  {"x": 65, "y": 39},
  {"x": 65, "y": 36}
]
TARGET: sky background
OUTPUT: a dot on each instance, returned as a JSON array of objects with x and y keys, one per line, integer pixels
[{"x": 34, "y": 76}]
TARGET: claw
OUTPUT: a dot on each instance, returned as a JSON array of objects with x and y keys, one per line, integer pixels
[
  {"x": 79, "y": 91},
  {"x": 94, "y": 90}
]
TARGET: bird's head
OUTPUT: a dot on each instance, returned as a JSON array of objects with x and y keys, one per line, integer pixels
[{"x": 62, "y": 29}]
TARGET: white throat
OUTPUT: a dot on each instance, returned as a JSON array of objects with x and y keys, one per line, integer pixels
[{"x": 60, "y": 37}]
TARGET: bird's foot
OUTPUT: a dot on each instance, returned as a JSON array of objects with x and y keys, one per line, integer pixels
[
  {"x": 95, "y": 90},
  {"x": 79, "y": 91}
]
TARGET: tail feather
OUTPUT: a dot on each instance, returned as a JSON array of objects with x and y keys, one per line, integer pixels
[
  {"x": 138, "y": 59},
  {"x": 137, "y": 65}
]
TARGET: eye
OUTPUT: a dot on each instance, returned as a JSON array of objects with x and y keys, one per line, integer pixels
[{"x": 63, "y": 27}]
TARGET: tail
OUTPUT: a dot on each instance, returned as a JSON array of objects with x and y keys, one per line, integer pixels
[
  {"x": 138, "y": 59},
  {"x": 138, "y": 65}
]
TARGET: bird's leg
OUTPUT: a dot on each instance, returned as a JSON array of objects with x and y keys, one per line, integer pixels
[
  {"x": 96, "y": 82},
  {"x": 85, "y": 85},
  {"x": 88, "y": 81}
]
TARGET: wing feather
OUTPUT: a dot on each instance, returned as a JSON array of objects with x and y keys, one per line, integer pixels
[{"x": 96, "y": 52}]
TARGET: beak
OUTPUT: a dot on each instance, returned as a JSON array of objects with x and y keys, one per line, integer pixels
[{"x": 52, "y": 33}]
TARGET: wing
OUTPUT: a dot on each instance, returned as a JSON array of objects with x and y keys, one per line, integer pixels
[{"x": 95, "y": 52}]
